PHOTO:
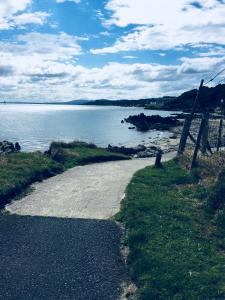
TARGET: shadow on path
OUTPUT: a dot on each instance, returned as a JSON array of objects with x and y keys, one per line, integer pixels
[{"x": 55, "y": 258}]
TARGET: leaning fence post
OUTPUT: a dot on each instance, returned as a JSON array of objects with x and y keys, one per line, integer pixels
[
  {"x": 188, "y": 121},
  {"x": 219, "y": 143},
  {"x": 198, "y": 142},
  {"x": 205, "y": 132}
]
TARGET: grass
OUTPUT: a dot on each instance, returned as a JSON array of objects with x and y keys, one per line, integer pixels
[
  {"x": 19, "y": 170},
  {"x": 80, "y": 153},
  {"x": 176, "y": 249}
]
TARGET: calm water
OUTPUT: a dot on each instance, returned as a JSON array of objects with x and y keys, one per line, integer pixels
[{"x": 35, "y": 126}]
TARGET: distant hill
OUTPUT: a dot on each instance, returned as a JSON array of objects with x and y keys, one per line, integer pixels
[
  {"x": 76, "y": 102},
  {"x": 128, "y": 103},
  {"x": 73, "y": 102},
  {"x": 209, "y": 97}
]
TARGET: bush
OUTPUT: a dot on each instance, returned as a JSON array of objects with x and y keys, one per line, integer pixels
[
  {"x": 80, "y": 153},
  {"x": 71, "y": 145}
]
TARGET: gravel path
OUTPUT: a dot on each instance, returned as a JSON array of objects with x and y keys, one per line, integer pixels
[
  {"x": 53, "y": 245},
  {"x": 91, "y": 192},
  {"x": 54, "y": 258}
]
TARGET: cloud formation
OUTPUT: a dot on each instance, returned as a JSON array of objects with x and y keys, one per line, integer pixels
[
  {"x": 43, "y": 63},
  {"x": 12, "y": 14},
  {"x": 164, "y": 25},
  {"x": 39, "y": 76},
  {"x": 62, "y": 1}
]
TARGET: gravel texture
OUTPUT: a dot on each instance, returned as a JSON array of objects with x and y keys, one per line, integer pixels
[
  {"x": 90, "y": 192},
  {"x": 53, "y": 258}
]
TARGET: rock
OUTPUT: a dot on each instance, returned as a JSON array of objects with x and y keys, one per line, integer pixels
[
  {"x": 145, "y": 123},
  {"x": 146, "y": 153},
  {"x": 122, "y": 149},
  {"x": 6, "y": 147},
  {"x": 173, "y": 137},
  {"x": 131, "y": 127},
  {"x": 17, "y": 147},
  {"x": 154, "y": 148},
  {"x": 140, "y": 148}
]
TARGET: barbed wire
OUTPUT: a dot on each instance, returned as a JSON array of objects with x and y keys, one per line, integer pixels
[
  {"x": 215, "y": 76},
  {"x": 222, "y": 80}
]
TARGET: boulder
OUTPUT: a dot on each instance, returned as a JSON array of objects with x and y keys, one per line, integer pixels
[
  {"x": 146, "y": 153},
  {"x": 145, "y": 123},
  {"x": 6, "y": 147}
]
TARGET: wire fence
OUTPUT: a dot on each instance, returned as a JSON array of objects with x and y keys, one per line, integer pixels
[{"x": 215, "y": 133}]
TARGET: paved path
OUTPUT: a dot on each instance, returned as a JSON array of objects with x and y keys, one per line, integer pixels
[
  {"x": 92, "y": 191},
  {"x": 59, "y": 259},
  {"x": 53, "y": 244}
]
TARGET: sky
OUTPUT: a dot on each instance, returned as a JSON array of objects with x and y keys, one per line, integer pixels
[{"x": 62, "y": 50}]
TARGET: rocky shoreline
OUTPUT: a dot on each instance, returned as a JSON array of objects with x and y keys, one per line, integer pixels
[
  {"x": 150, "y": 147},
  {"x": 144, "y": 123},
  {"x": 8, "y": 147}
]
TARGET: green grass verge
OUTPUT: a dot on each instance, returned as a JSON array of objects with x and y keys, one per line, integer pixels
[
  {"x": 175, "y": 249},
  {"x": 19, "y": 170},
  {"x": 80, "y": 153}
]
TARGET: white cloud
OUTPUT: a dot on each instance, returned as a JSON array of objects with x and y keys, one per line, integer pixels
[
  {"x": 41, "y": 66},
  {"x": 105, "y": 33},
  {"x": 129, "y": 57},
  {"x": 47, "y": 74},
  {"x": 31, "y": 18},
  {"x": 10, "y": 7},
  {"x": 176, "y": 13},
  {"x": 32, "y": 52},
  {"x": 200, "y": 64},
  {"x": 165, "y": 25},
  {"x": 62, "y": 1},
  {"x": 12, "y": 14},
  {"x": 161, "y": 38}
]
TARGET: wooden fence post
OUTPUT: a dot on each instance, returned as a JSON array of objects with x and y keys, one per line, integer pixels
[
  {"x": 188, "y": 121},
  {"x": 205, "y": 132},
  {"x": 158, "y": 163},
  {"x": 219, "y": 143},
  {"x": 198, "y": 142}
]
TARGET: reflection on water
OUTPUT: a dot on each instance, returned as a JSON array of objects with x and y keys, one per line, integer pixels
[{"x": 35, "y": 126}]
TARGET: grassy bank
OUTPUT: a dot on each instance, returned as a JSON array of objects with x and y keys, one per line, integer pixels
[
  {"x": 80, "y": 153},
  {"x": 176, "y": 244},
  {"x": 19, "y": 170}
]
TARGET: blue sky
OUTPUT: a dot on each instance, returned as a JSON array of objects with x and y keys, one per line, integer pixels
[{"x": 57, "y": 50}]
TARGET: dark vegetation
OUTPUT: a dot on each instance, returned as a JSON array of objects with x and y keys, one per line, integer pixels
[
  {"x": 127, "y": 103},
  {"x": 175, "y": 224},
  {"x": 128, "y": 150},
  {"x": 81, "y": 153},
  {"x": 145, "y": 123},
  {"x": 210, "y": 97},
  {"x": 18, "y": 170}
]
